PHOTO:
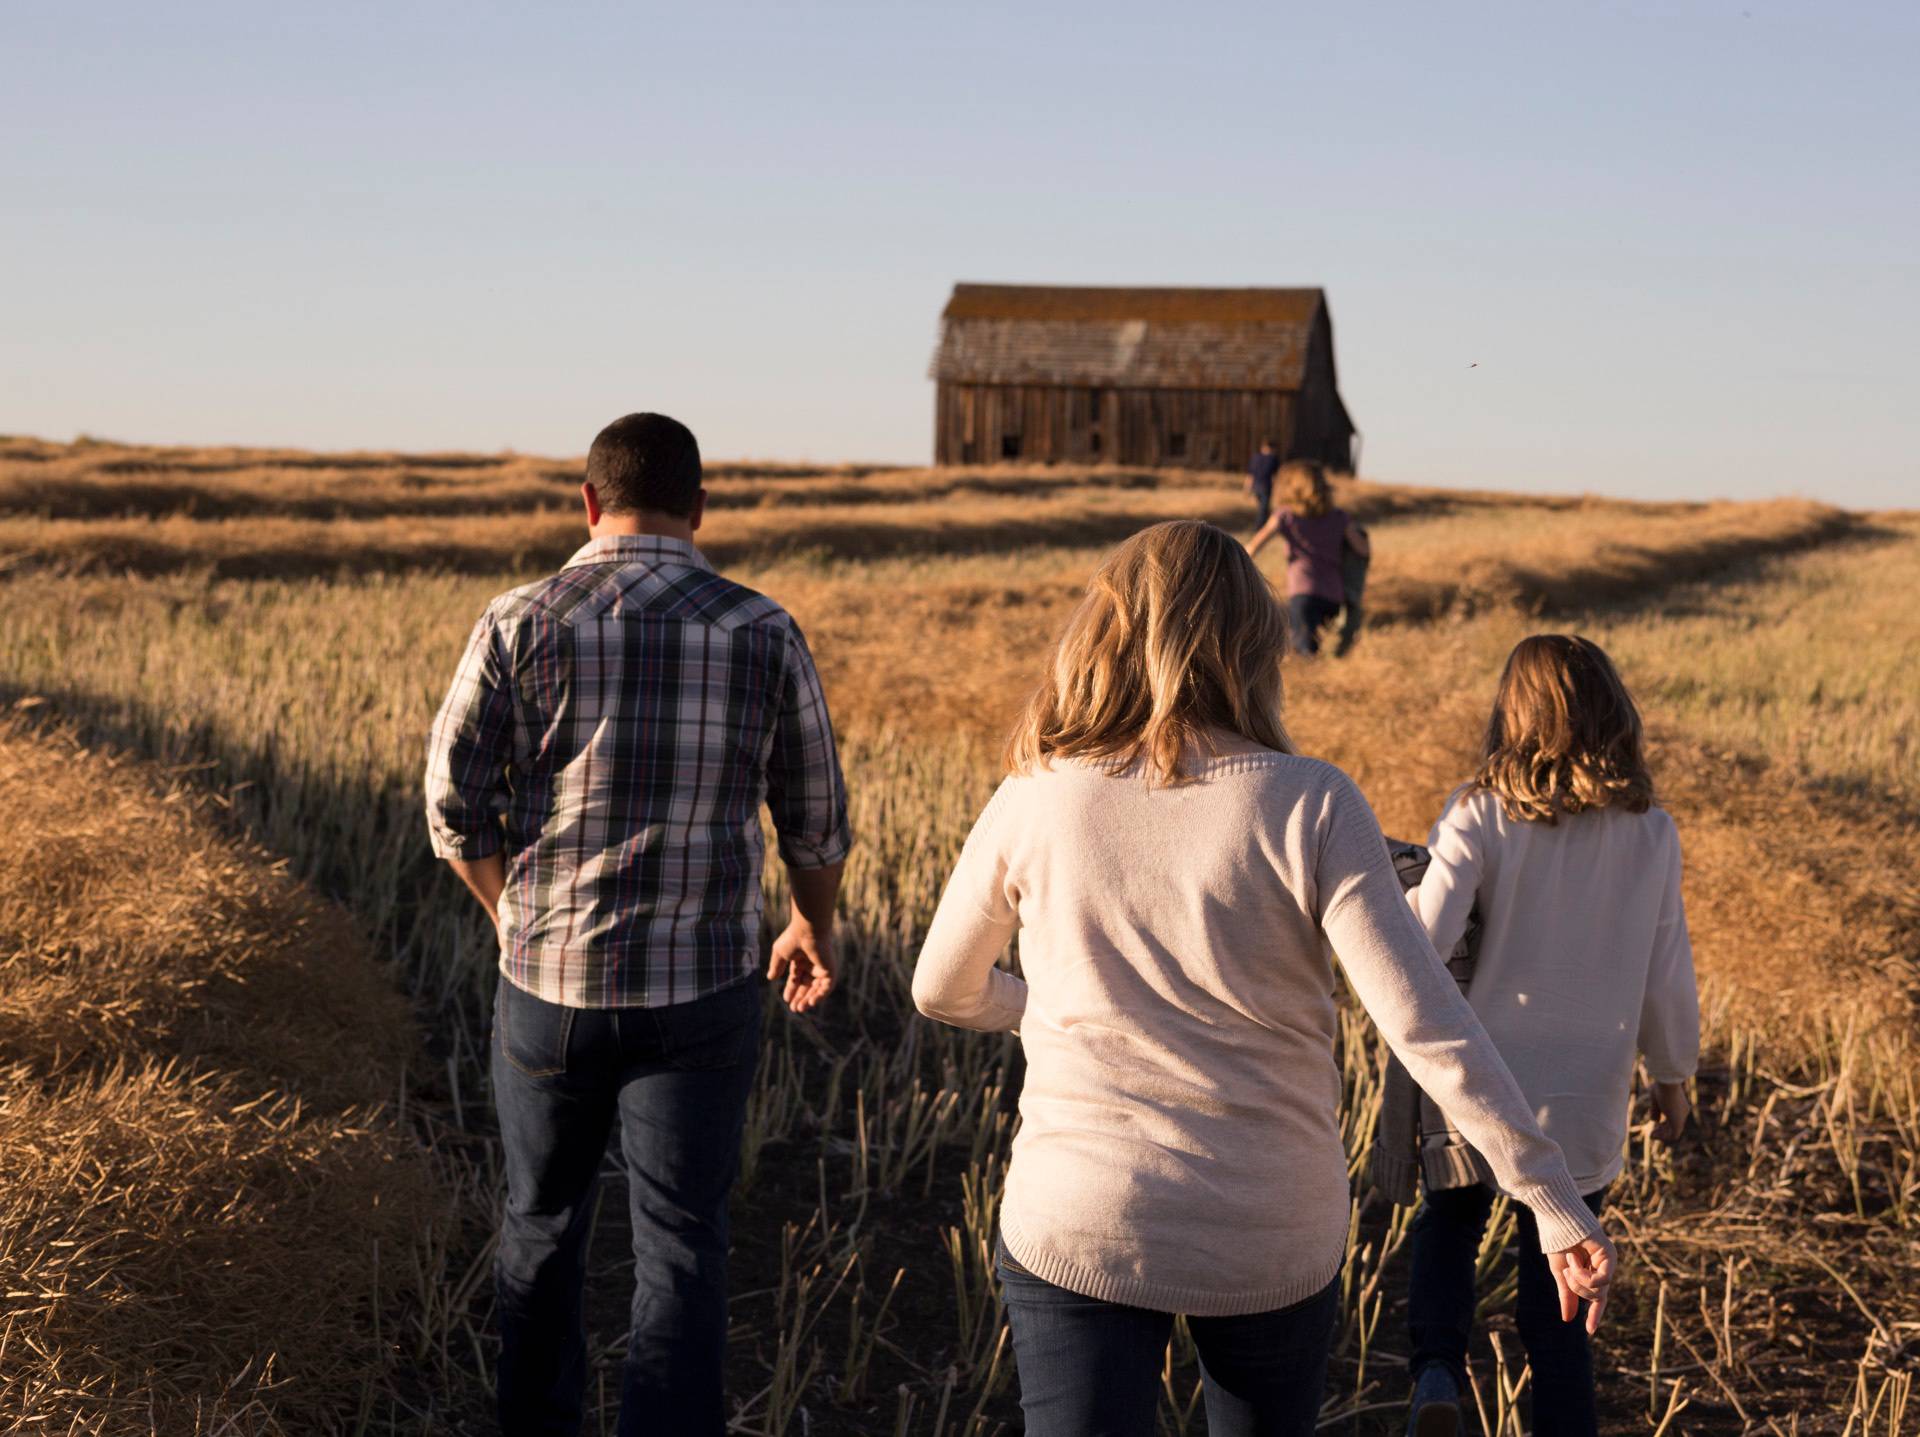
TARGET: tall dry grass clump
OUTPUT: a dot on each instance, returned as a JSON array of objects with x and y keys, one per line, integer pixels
[{"x": 208, "y": 1213}]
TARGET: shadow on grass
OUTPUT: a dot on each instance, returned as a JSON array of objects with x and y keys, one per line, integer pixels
[
  {"x": 364, "y": 845},
  {"x": 544, "y": 541},
  {"x": 1633, "y": 575}
]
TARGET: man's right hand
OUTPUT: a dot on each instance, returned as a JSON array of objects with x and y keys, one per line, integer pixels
[
  {"x": 1584, "y": 1273},
  {"x": 804, "y": 956}
]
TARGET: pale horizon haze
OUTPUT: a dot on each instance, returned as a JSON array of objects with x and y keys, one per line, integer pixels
[{"x": 1653, "y": 251}]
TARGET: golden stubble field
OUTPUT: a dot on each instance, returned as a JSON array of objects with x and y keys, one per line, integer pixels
[{"x": 243, "y": 1014}]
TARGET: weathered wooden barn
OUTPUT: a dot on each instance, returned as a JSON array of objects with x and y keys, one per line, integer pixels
[{"x": 1191, "y": 377}]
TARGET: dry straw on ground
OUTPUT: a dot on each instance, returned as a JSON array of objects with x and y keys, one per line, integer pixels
[
  {"x": 202, "y": 1167},
  {"x": 1768, "y": 1261}
]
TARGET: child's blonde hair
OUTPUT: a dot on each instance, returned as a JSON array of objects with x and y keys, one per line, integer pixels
[
  {"x": 1304, "y": 487},
  {"x": 1179, "y": 633},
  {"x": 1565, "y": 736}
]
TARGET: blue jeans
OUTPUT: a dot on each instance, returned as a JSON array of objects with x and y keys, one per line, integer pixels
[
  {"x": 1307, "y": 615},
  {"x": 677, "y": 1079},
  {"x": 1262, "y": 499},
  {"x": 1092, "y": 1369},
  {"x": 1441, "y": 1302}
]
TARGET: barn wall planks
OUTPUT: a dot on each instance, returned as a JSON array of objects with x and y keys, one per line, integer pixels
[
  {"x": 1079, "y": 374},
  {"x": 1075, "y": 424}
]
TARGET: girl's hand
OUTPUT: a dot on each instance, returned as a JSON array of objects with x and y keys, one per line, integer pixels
[
  {"x": 1584, "y": 1272},
  {"x": 1671, "y": 1109}
]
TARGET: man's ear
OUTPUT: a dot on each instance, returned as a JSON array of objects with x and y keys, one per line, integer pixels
[
  {"x": 699, "y": 509},
  {"x": 591, "y": 497}
]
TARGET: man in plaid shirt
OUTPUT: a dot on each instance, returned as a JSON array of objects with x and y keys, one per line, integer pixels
[{"x": 595, "y": 777}]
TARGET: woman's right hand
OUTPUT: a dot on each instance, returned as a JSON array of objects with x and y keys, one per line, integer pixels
[{"x": 1584, "y": 1273}]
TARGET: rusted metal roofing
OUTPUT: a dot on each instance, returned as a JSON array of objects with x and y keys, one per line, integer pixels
[{"x": 1127, "y": 338}]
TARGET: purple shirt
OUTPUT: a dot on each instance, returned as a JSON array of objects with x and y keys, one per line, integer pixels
[{"x": 1313, "y": 553}]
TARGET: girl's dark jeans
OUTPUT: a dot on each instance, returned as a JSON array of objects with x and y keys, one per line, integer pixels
[
  {"x": 1441, "y": 1302},
  {"x": 677, "y": 1080},
  {"x": 1307, "y": 615},
  {"x": 1092, "y": 1369}
]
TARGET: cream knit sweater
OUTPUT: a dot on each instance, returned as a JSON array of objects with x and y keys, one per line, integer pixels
[
  {"x": 1179, "y": 1147},
  {"x": 1583, "y": 960}
]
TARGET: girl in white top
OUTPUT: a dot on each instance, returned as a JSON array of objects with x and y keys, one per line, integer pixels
[{"x": 1583, "y": 965}]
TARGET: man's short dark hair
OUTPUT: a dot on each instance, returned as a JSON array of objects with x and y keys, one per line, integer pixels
[{"x": 645, "y": 461}]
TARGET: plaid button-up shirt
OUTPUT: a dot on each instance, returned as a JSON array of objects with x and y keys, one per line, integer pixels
[{"x": 615, "y": 729}]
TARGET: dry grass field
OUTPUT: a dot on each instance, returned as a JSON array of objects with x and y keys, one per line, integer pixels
[
  {"x": 241, "y": 1003},
  {"x": 203, "y": 1160}
]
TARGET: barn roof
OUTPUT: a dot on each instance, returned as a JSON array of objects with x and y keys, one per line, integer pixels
[{"x": 1127, "y": 338}]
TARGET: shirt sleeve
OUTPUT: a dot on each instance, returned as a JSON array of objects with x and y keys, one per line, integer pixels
[
  {"x": 1419, "y": 1010},
  {"x": 1444, "y": 897},
  {"x": 469, "y": 749},
  {"x": 958, "y": 978},
  {"x": 1670, "y": 1012},
  {"x": 806, "y": 792}
]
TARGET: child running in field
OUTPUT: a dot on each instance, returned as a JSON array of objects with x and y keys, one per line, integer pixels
[
  {"x": 1319, "y": 539},
  {"x": 1583, "y": 964}
]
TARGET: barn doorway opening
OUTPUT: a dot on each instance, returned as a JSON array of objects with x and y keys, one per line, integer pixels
[{"x": 1095, "y": 408}]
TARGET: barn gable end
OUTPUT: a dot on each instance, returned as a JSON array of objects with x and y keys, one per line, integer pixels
[{"x": 1193, "y": 377}]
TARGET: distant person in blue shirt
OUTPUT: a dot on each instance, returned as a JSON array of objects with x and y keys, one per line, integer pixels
[{"x": 1260, "y": 474}]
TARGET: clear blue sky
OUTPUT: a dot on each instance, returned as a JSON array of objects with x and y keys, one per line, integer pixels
[{"x": 1681, "y": 242}]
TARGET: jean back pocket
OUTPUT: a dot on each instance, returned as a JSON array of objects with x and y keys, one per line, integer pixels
[{"x": 533, "y": 1034}]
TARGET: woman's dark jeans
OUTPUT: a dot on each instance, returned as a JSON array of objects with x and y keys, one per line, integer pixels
[
  {"x": 1092, "y": 1369},
  {"x": 1307, "y": 615},
  {"x": 677, "y": 1079},
  {"x": 1441, "y": 1302}
]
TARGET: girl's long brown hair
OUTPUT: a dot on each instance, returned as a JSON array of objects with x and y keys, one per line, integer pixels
[
  {"x": 1179, "y": 634},
  {"x": 1304, "y": 487},
  {"x": 1565, "y": 736}
]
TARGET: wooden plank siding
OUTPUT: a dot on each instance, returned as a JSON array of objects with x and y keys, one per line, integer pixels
[
  {"x": 1079, "y": 374},
  {"x": 1076, "y": 424}
]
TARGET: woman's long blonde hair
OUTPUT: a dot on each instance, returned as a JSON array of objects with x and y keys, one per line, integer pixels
[
  {"x": 1179, "y": 635},
  {"x": 1304, "y": 487},
  {"x": 1565, "y": 736}
]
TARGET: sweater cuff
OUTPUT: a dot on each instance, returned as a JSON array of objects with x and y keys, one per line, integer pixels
[
  {"x": 1560, "y": 1213},
  {"x": 1007, "y": 995}
]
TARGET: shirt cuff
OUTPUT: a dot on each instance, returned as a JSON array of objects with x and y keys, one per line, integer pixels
[
  {"x": 480, "y": 843},
  {"x": 805, "y": 853}
]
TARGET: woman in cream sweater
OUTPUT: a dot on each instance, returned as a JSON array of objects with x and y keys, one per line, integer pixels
[{"x": 1179, "y": 879}]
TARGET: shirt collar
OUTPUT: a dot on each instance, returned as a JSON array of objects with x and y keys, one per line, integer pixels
[{"x": 638, "y": 549}]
